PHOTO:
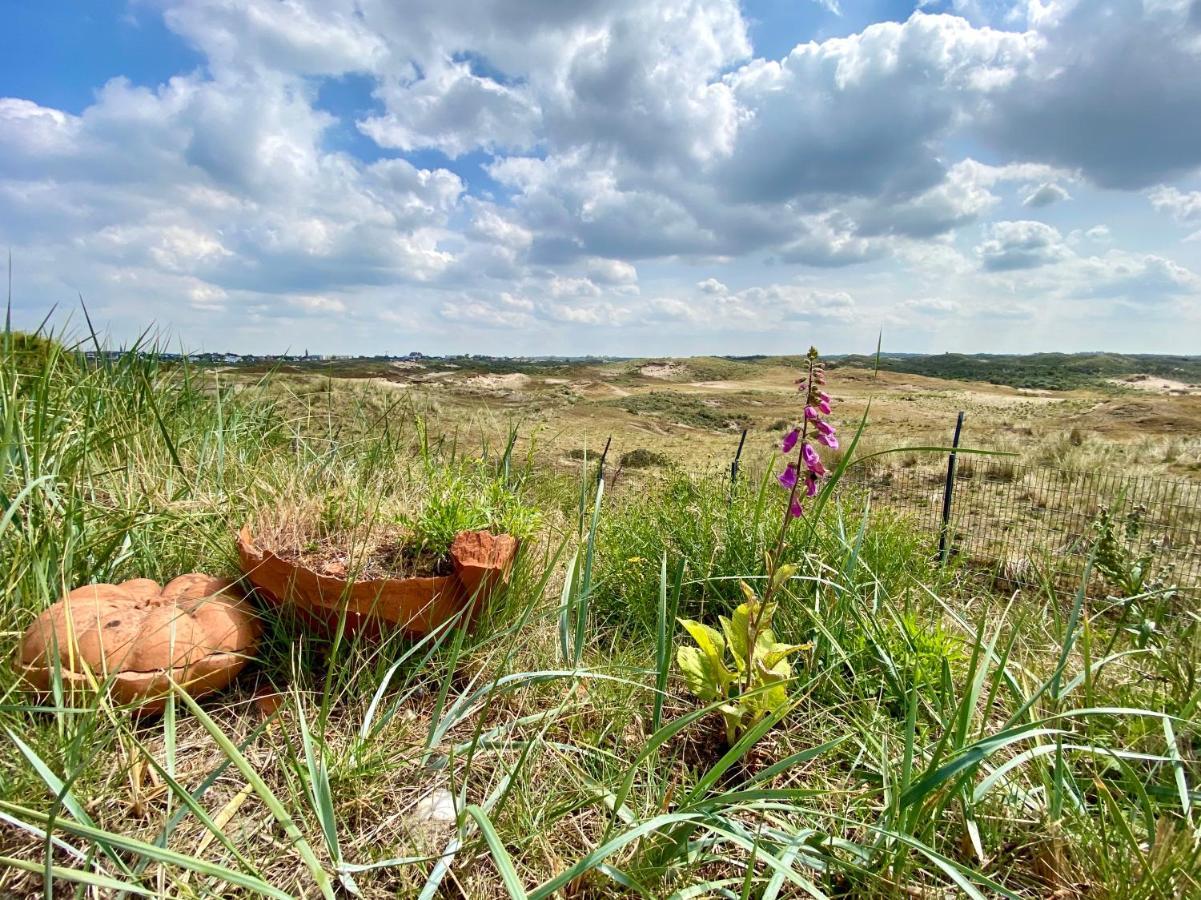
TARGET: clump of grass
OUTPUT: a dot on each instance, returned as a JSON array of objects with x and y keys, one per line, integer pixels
[
  {"x": 469, "y": 497},
  {"x": 698, "y": 519}
]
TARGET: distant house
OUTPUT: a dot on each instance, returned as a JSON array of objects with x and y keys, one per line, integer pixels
[{"x": 416, "y": 354}]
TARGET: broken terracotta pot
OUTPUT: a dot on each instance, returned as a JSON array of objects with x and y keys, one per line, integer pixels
[
  {"x": 138, "y": 637},
  {"x": 482, "y": 561}
]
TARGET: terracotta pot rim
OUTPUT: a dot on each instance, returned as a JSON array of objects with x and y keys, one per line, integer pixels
[
  {"x": 246, "y": 540},
  {"x": 416, "y": 604}
]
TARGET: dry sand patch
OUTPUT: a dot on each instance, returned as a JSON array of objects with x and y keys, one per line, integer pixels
[
  {"x": 982, "y": 398},
  {"x": 498, "y": 382},
  {"x": 663, "y": 370},
  {"x": 1156, "y": 385}
]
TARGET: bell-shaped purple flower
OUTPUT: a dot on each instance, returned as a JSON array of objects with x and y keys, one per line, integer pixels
[
  {"x": 787, "y": 478},
  {"x": 795, "y": 509},
  {"x": 826, "y": 434},
  {"x": 811, "y": 484},
  {"x": 811, "y": 414},
  {"x": 812, "y": 460},
  {"x": 790, "y": 440},
  {"x": 824, "y": 406}
]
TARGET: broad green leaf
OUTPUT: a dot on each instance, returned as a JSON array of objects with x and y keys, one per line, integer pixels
[
  {"x": 708, "y": 639},
  {"x": 737, "y": 629},
  {"x": 733, "y": 714},
  {"x": 772, "y": 654},
  {"x": 783, "y": 573},
  {"x": 704, "y": 679}
]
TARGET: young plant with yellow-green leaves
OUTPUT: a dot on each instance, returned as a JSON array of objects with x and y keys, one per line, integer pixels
[
  {"x": 755, "y": 683},
  {"x": 758, "y": 684}
]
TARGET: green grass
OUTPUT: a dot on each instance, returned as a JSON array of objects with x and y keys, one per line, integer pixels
[{"x": 940, "y": 740}]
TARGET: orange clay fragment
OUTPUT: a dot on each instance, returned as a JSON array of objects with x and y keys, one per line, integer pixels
[
  {"x": 482, "y": 561},
  {"x": 138, "y": 637}
]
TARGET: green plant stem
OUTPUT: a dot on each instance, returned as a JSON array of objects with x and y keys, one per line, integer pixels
[{"x": 773, "y": 560}]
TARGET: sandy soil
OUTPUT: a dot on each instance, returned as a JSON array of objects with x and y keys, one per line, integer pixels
[
  {"x": 1001, "y": 401},
  {"x": 719, "y": 385},
  {"x": 594, "y": 389},
  {"x": 498, "y": 382},
  {"x": 662, "y": 370},
  {"x": 1156, "y": 385}
]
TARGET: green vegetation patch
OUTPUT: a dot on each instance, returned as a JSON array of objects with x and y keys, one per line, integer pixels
[
  {"x": 685, "y": 409},
  {"x": 643, "y": 458},
  {"x": 1044, "y": 371}
]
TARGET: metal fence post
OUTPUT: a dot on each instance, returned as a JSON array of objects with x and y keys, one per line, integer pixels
[
  {"x": 600, "y": 469},
  {"x": 737, "y": 456},
  {"x": 948, "y": 493}
]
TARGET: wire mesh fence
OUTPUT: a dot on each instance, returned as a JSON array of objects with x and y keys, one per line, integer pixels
[{"x": 1017, "y": 517}]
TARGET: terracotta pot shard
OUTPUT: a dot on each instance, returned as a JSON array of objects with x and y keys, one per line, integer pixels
[
  {"x": 415, "y": 605},
  {"x": 138, "y": 637},
  {"x": 483, "y": 561}
]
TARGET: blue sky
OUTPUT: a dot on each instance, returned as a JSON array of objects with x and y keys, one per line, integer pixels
[{"x": 608, "y": 176}]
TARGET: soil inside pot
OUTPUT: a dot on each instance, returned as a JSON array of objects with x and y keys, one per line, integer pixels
[{"x": 391, "y": 557}]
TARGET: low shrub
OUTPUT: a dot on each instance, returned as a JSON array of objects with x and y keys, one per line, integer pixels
[
  {"x": 685, "y": 409},
  {"x": 641, "y": 459}
]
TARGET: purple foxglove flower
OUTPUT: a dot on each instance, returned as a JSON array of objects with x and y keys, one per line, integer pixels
[
  {"x": 809, "y": 455},
  {"x": 824, "y": 406},
  {"x": 787, "y": 478},
  {"x": 811, "y": 413},
  {"x": 824, "y": 427},
  {"x": 822, "y": 395},
  {"x": 790, "y": 440},
  {"x": 811, "y": 485},
  {"x": 828, "y": 439},
  {"x": 795, "y": 509}
]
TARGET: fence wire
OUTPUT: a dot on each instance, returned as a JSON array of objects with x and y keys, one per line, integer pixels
[{"x": 1017, "y": 518}]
